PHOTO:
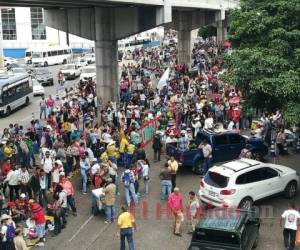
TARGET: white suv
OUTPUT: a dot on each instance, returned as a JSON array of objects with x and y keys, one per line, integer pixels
[{"x": 241, "y": 182}]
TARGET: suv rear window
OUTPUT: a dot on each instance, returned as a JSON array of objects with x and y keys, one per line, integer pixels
[
  {"x": 216, "y": 180},
  {"x": 216, "y": 236}
]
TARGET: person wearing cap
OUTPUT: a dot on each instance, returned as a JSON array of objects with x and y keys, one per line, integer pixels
[
  {"x": 123, "y": 148},
  {"x": 94, "y": 170},
  {"x": 125, "y": 226},
  {"x": 7, "y": 232},
  {"x": 112, "y": 151},
  {"x": 183, "y": 141},
  {"x": 207, "y": 154},
  {"x": 109, "y": 200},
  {"x": 173, "y": 166},
  {"x": 176, "y": 206}
]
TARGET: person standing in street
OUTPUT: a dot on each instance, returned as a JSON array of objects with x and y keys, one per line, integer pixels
[
  {"x": 43, "y": 108},
  {"x": 110, "y": 198},
  {"x": 193, "y": 210},
  {"x": 128, "y": 178},
  {"x": 166, "y": 183},
  {"x": 173, "y": 166},
  {"x": 290, "y": 219},
  {"x": 125, "y": 226},
  {"x": 176, "y": 206},
  {"x": 157, "y": 145},
  {"x": 207, "y": 153}
]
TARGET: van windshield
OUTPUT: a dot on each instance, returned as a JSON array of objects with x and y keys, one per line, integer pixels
[
  {"x": 216, "y": 180},
  {"x": 28, "y": 54},
  {"x": 216, "y": 236},
  {"x": 36, "y": 54}
]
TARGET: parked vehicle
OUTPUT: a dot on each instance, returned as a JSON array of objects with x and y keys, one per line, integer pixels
[
  {"x": 242, "y": 182},
  {"x": 51, "y": 55},
  {"x": 81, "y": 62},
  {"x": 15, "y": 91},
  {"x": 88, "y": 73},
  {"x": 71, "y": 71},
  {"x": 227, "y": 230},
  {"x": 90, "y": 58},
  {"x": 28, "y": 56},
  {"x": 225, "y": 146},
  {"x": 9, "y": 60},
  {"x": 18, "y": 70},
  {"x": 43, "y": 76},
  {"x": 38, "y": 89}
]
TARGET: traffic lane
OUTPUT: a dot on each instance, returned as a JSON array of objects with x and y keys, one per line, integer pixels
[
  {"x": 23, "y": 115},
  {"x": 154, "y": 226}
]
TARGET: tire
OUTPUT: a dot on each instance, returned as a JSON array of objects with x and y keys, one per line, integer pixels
[
  {"x": 290, "y": 190},
  {"x": 246, "y": 203},
  {"x": 27, "y": 101},
  {"x": 8, "y": 111},
  {"x": 197, "y": 169},
  {"x": 45, "y": 64}
]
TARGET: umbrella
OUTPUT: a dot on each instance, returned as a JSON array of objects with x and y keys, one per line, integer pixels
[{"x": 234, "y": 100}]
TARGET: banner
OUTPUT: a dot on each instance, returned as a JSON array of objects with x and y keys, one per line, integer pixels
[{"x": 147, "y": 131}]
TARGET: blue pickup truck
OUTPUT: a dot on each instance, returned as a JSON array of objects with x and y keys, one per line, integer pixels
[{"x": 226, "y": 146}]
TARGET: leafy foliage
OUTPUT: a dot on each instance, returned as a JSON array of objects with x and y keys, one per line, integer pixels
[
  {"x": 266, "y": 57},
  {"x": 207, "y": 31}
]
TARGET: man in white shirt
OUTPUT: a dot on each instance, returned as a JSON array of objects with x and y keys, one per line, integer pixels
[
  {"x": 207, "y": 154},
  {"x": 290, "y": 218},
  {"x": 13, "y": 179},
  {"x": 47, "y": 163}
]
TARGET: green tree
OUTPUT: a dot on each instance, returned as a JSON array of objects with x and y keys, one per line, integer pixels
[
  {"x": 207, "y": 31},
  {"x": 265, "y": 62}
]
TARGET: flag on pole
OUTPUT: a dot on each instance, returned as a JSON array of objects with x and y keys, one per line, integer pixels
[{"x": 163, "y": 81}]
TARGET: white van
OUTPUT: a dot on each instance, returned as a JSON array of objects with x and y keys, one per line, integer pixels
[
  {"x": 28, "y": 56},
  {"x": 51, "y": 55}
]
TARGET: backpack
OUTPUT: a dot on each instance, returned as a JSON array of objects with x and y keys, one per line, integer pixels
[
  {"x": 10, "y": 232},
  {"x": 126, "y": 179}
]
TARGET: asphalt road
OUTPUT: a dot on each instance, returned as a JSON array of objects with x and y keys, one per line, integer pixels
[
  {"x": 154, "y": 229},
  {"x": 23, "y": 115}
]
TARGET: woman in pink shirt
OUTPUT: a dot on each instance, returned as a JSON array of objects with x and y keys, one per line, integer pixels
[
  {"x": 176, "y": 206},
  {"x": 68, "y": 187}
]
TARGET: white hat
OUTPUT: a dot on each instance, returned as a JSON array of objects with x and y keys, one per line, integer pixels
[
  {"x": 23, "y": 195},
  {"x": 62, "y": 173},
  {"x": 5, "y": 217},
  {"x": 59, "y": 162},
  {"x": 197, "y": 119},
  {"x": 183, "y": 132},
  {"x": 94, "y": 159},
  {"x": 49, "y": 127}
]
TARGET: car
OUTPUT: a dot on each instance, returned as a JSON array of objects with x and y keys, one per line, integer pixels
[
  {"x": 88, "y": 73},
  {"x": 90, "y": 58},
  {"x": 71, "y": 71},
  {"x": 81, "y": 62},
  {"x": 226, "y": 145},
  {"x": 38, "y": 89},
  {"x": 226, "y": 229},
  {"x": 242, "y": 182},
  {"x": 43, "y": 76},
  {"x": 9, "y": 60}
]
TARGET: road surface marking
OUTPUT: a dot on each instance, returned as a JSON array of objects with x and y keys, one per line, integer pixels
[
  {"x": 102, "y": 231},
  {"x": 82, "y": 226}
]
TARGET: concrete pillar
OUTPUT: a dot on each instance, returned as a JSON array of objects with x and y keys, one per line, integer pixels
[
  {"x": 221, "y": 31},
  {"x": 184, "y": 37},
  {"x": 106, "y": 50}
]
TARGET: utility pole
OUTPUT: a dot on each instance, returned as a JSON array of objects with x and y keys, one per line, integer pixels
[{"x": 1, "y": 42}]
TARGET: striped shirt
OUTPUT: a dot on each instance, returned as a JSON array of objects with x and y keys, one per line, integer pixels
[{"x": 24, "y": 177}]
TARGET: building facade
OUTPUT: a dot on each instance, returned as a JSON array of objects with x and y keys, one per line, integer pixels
[{"x": 24, "y": 28}]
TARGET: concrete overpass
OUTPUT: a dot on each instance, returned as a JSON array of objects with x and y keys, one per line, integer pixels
[{"x": 107, "y": 21}]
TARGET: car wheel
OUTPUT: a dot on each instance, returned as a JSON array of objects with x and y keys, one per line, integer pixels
[
  {"x": 27, "y": 101},
  {"x": 8, "y": 111},
  {"x": 246, "y": 203},
  {"x": 45, "y": 64},
  {"x": 255, "y": 244},
  {"x": 290, "y": 190},
  {"x": 197, "y": 169}
]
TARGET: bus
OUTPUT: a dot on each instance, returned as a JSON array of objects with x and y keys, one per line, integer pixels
[
  {"x": 15, "y": 91},
  {"x": 132, "y": 43},
  {"x": 51, "y": 56}
]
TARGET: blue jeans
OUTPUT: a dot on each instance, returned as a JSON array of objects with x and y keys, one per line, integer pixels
[
  {"x": 165, "y": 189},
  {"x": 130, "y": 192},
  {"x": 113, "y": 159},
  {"x": 127, "y": 233},
  {"x": 129, "y": 159},
  {"x": 84, "y": 180},
  {"x": 206, "y": 165},
  {"x": 71, "y": 202},
  {"x": 40, "y": 230},
  {"x": 123, "y": 159},
  {"x": 110, "y": 212}
]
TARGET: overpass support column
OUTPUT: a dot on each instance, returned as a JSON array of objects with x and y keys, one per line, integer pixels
[
  {"x": 106, "y": 49},
  {"x": 184, "y": 37},
  {"x": 221, "y": 31}
]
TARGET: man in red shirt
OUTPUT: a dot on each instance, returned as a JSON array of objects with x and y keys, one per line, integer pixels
[
  {"x": 38, "y": 216},
  {"x": 176, "y": 206}
]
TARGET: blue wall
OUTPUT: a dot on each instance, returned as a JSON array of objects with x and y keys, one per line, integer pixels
[{"x": 151, "y": 44}]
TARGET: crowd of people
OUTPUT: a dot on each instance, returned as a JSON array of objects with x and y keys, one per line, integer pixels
[{"x": 38, "y": 161}]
